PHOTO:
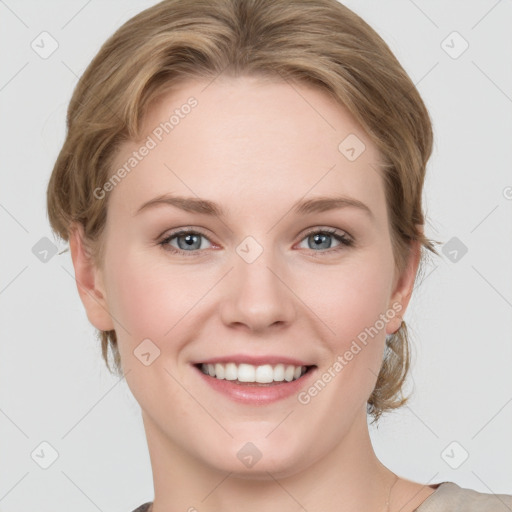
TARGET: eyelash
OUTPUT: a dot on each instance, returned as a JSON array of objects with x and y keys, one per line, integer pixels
[{"x": 345, "y": 241}]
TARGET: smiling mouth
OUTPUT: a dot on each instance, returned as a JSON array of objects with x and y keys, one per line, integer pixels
[{"x": 248, "y": 374}]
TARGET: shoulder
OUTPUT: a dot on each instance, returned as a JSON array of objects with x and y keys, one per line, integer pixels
[
  {"x": 144, "y": 508},
  {"x": 449, "y": 497}
]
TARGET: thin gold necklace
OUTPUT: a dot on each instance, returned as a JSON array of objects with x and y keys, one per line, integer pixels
[{"x": 389, "y": 494}]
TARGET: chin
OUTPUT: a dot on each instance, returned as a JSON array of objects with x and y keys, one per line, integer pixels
[{"x": 260, "y": 459}]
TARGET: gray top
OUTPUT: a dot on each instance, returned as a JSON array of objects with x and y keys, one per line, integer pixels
[{"x": 448, "y": 497}]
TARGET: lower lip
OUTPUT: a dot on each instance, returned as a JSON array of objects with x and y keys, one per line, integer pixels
[{"x": 257, "y": 394}]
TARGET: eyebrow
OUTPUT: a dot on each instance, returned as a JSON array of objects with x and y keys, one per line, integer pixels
[{"x": 206, "y": 207}]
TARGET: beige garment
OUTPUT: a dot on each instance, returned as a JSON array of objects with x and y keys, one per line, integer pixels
[{"x": 449, "y": 497}]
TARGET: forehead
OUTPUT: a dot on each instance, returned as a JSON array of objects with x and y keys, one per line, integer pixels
[{"x": 248, "y": 142}]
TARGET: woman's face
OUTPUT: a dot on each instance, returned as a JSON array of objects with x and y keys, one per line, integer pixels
[{"x": 266, "y": 273}]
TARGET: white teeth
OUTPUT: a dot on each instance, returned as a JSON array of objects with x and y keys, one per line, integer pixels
[
  {"x": 289, "y": 373},
  {"x": 219, "y": 371},
  {"x": 231, "y": 372},
  {"x": 279, "y": 372},
  {"x": 249, "y": 373},
  {"x": 264, "y": 374},
  {"x": 246, "y": 373}
]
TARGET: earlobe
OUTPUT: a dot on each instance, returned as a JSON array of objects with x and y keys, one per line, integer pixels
[{"x": 89, "y": 281}]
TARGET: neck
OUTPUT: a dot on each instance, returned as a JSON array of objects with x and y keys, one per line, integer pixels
[{"x": 347, "y": 477}]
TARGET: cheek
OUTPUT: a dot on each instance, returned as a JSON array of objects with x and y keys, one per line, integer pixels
[
  {"x": 150, "y": 297},
  {"x": 353, "y": 299},
  {"x": 353, "y": 309},
  {"x": 144, "y": 296}
]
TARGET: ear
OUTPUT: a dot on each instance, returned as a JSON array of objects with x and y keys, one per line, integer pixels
[
  {"x": 89, "y": 281},
  {"x": 403, "y": 287}
]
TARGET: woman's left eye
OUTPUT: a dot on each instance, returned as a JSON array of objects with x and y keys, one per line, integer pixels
[
  {"x": 322, "y": 239},
  {"x": 191, "y": 241}
]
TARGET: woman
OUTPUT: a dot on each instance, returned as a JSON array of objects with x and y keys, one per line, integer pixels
[{"x": 241, "y": 188}]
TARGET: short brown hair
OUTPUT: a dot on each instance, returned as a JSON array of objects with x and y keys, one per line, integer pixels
[{"x": 315, "y": 42}]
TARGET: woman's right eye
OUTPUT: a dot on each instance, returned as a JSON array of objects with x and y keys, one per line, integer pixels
[{"x": 185, "y": 242}]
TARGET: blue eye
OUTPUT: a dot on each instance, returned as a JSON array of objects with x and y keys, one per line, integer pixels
[
  {"x": 322, "y": 239},
  {"x": 190, "y": 242}
]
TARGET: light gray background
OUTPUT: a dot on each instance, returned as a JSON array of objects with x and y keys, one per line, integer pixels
[{"x": 53, "y": 384}]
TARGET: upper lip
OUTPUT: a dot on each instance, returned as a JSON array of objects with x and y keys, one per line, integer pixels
[{"x": 254, "y": 360}]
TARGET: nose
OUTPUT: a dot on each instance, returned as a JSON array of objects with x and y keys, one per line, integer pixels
[{"x": 257, "y": 296}]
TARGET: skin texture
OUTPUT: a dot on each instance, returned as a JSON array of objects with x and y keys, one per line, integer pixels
[{"x": 255, "y": 147}]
